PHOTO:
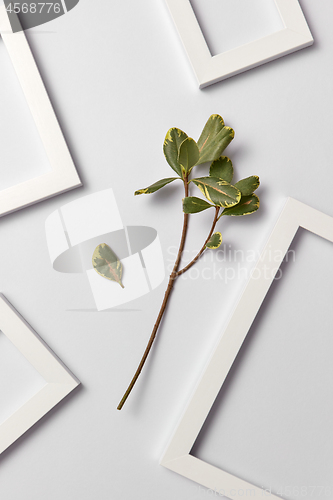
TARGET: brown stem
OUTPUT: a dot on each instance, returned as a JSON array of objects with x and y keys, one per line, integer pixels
[
  {"x": 172, "y": 278},
  {"x": 217, "y": 209}
]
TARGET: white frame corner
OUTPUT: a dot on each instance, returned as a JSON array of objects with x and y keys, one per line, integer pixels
[
  {"x": 177, "y": 456},
  {"x": 208, "y": 70},
  {"x": 59, "y": 380},
  {"x": 63, "y": 175}
]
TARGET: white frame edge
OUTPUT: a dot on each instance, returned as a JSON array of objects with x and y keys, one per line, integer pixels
[
  {"x": 177, "y": 456},
  {"x": 63, "y": 175},
  {"x": 295, "y": 35},
  {"x": 59, "y": 380}
]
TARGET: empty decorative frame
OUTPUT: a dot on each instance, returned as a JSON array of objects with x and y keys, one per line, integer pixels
[
  {"x": 177, "y": 456},
  {"x": 63, "y": 175},
  {"x": 295, "y": 35},
  {"x": 59, "y": 382}
]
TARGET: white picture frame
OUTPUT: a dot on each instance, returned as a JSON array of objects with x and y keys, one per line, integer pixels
[
  {"x": 59, "y": 380},
  {"x": 63, "y": 175},
  {"x": 177, "y": 456},
  {"x": 208, "y": 70}
]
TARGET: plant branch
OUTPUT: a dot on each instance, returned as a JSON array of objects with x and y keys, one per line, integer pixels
[
  {"x": 178, "y": 273},
  {"x": 172, "y": 278}
]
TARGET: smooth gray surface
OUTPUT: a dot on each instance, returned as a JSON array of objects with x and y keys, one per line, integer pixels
[
  {"x": 118, "y": 78},
  {"x": 22, "y": 154},
  {"x": 19, "y": 380}
]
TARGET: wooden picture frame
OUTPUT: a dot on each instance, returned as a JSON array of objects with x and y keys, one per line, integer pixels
[
  {"x": 63, "y": 175},
  {"x": 208, "y": 70},
  {"x": 177, "y": 456},
  {"x": 59, "y": 381}
]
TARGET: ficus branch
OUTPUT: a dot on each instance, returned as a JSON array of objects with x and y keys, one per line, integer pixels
[
  {"x": 183, "y": 153},
  {"x": 172, "y": 278},
  {"x": 197, "y": 257}
]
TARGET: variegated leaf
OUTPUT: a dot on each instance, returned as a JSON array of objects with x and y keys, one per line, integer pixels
[
  {"x": 214, "y": 241},
  {"x": 193, "y": 205},
  {"x": 188, "y": 155},
  {"x": 222, "y": 168},
  {"x": 107, "y": 264},
  {"x": 172, "y": 142},
  {"x": 214, "y": 139},
  {"x": 246, "y": 206},
  {"x": 218, "y": 191},
  {"x": 249, "y": 185},
  {"x": 156, "y": 186}
]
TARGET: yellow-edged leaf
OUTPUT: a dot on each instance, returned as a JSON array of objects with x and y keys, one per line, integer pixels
[
  {"x": 107, "y": 264},
  {"x": 222, "y": 168},
  {"x": 218, "y": 191},
  {"x": 156, "y": 186},
  {"x": 214, "y": 139},
  {"x": 249, "y": 185},
  {"x": 193, "y": 205},
  {"x": 246, "y": 206},
  {"x": 214, "y": 241},
  {"x": 172, "y": 142}
]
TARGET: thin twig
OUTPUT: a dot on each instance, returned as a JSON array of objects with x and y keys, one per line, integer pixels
[
  {"x": 172, "y": 278},
  {"x": 178, "y": 273}
]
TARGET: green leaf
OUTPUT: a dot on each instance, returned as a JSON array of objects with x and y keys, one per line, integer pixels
[
  {"x": 214, "y": 139},
  {"x": 156, "y": 186},
  {"x": 222, "y": 168},
  {"x": 214, "y": 241},
  {"x": 217, "y": 191},
  {"x": 172, "y": 142},
  {"x": 188, "y": 155},
  {"x": 246, "y": 206},
  {"x": 193, "y": 205},
  {"x": 106, "y": 263},
  {"x": 249, "y": 185}
]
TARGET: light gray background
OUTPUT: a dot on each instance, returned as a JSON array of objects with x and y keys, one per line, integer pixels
[{"x": 119, "y": 79}]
